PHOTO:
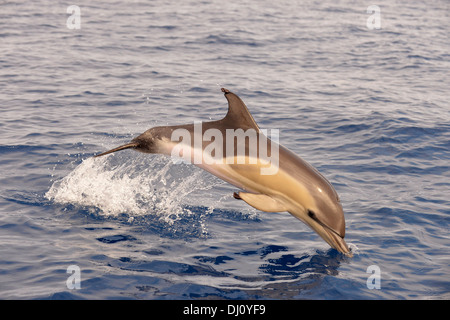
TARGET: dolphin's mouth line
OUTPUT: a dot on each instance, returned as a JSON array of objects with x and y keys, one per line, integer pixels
[
  {"x": 313, "y": 216},
  {"x": 337, "y": 240},
  {"x": 338, "y": 243}
]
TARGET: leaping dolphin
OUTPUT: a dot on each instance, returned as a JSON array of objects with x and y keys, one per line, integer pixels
[{"x": 291, "y": 184}]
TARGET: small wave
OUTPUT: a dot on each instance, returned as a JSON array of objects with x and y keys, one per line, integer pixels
[{"x": 228, "y": 40}]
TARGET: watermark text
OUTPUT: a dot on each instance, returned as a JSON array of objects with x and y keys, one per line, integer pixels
[
  {"x": 74, "y": 280},
  {"x": 74, "y": 20}
]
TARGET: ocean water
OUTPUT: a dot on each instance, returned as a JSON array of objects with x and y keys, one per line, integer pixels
[{"x": 367, "y": 107}]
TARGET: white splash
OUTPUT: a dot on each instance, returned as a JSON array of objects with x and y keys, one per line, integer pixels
[{"x": 137, "y": 186}]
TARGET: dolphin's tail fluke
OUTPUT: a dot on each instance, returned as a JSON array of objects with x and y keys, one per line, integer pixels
[{"x": 125, "y": 146}]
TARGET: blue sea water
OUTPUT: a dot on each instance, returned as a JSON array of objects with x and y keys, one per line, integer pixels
[{"x": 367, "y": 107}]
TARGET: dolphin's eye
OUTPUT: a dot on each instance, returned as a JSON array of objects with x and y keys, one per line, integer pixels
[{"x": 311, "y": 214}]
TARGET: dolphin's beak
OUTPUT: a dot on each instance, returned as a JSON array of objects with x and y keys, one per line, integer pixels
[
  {"x": 333, "y": 237},
  {"x": 334, "y": 240},
  {"x": 125, "y": 146}
]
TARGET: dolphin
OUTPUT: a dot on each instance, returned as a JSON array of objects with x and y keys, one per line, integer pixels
[{"x": 291, "y": 184}]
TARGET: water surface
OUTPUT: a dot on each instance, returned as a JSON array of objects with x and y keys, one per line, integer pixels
[{"x": 368, "y": 108}]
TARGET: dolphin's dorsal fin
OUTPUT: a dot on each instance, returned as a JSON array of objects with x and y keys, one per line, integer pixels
[{"x": 238, "y": 115}]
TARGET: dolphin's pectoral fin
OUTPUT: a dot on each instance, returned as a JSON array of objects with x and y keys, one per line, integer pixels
[{"x": 260, "y": 201}]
